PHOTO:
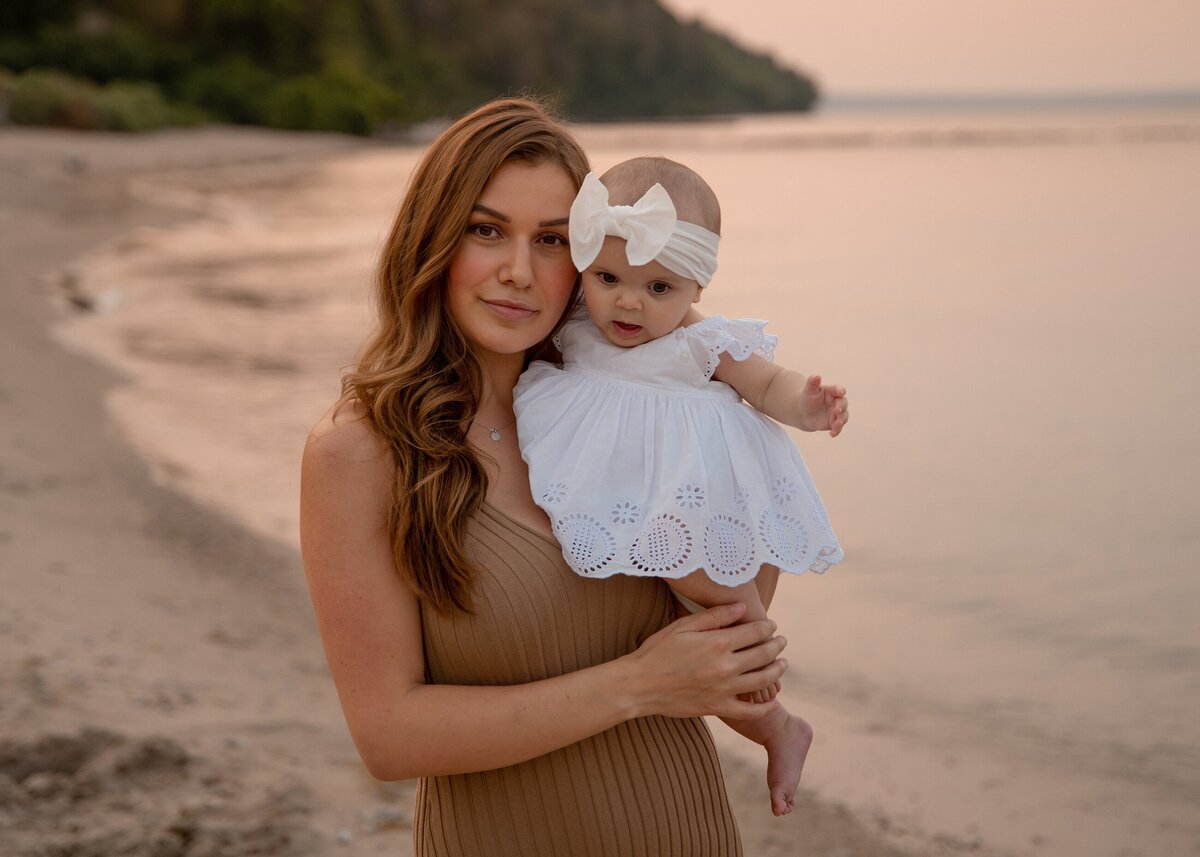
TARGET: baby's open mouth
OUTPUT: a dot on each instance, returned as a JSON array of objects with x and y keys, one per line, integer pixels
[{"x": 626, "y": 329}]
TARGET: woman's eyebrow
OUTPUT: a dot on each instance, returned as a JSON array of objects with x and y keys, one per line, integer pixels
[{"x": 491, "y": 212}]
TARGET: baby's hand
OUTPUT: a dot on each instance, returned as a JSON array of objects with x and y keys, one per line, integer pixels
[{"x": 822, "y": 407}]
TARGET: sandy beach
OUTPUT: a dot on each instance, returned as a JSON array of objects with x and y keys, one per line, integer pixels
[{"x": 162, "y": 687}]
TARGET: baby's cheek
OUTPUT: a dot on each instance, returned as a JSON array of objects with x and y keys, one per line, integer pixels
[{"x": 592, "y": 299}]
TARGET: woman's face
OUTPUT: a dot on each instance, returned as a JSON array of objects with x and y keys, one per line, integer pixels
[{"x": 511, "y": 276}]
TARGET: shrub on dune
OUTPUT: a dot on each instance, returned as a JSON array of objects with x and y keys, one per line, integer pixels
[
  {"x": 135, "y": 107},
  {"x": 54, "y": 98},
  {"x": 331, "y": 101},
  {"x": 42, "y": 97}
]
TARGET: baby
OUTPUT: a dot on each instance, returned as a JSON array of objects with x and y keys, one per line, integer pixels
[{"x": 641, "y": 449}]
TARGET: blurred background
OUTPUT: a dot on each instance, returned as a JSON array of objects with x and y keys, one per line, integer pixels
[{"x": 982, "y": 218}]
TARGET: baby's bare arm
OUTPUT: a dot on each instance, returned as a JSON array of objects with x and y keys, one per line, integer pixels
[
  {"x": 786, "y": 395},
  {"x": 783, "y": 394}
]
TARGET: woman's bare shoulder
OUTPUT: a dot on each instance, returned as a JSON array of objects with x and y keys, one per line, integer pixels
[
  {"x": 347, "y": 464},
  {"x": 345, "y": 434},
  {"x": 346, "y": 482}
]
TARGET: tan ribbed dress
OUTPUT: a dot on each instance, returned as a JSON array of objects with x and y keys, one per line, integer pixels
[{"x": 649, "y": 787}]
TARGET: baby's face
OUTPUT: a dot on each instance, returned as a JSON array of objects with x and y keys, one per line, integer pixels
[{"x": 632, "y": 304}]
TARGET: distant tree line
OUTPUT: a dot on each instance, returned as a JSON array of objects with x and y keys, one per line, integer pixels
[{"x": 360, "y": 65}]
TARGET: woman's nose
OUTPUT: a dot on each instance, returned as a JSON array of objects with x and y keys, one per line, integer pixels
[{"x": 517, "y": 269}]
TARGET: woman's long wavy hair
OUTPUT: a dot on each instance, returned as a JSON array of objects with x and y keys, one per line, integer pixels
[{"x": 416, "y": 379}]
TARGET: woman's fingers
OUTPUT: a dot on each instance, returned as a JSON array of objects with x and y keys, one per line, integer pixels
[
  {"x": 760, "y": 654},
  {"x": 700, "y": 663},
  {"x": 713, "y": 618},
  {"x": 718, "y": 621},
  {"x": 744, "y": 636},
  {"x": 755, "y": 680},
  {"x": 755, "y": 665}
]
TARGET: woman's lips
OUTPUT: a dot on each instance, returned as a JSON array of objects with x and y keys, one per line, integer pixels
[
  {"x": 626, "y": 330},
  {"x": 510, "y": 310}
]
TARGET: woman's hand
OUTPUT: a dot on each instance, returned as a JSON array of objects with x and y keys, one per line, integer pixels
[{"x": 699, "y": 665}]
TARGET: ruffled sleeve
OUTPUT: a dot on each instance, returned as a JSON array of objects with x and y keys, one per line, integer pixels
[{"x": 707, "y": 340}]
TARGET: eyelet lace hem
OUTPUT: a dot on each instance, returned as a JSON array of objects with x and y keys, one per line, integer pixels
[{"x": 729, "y": 547}]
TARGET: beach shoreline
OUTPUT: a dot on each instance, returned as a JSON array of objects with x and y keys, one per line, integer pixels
[
  {"x": 153, "y": 648},
  {"x": 167, "y": 683}
]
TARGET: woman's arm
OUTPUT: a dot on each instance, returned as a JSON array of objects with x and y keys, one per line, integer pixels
[{"x": 370, "y": 626}]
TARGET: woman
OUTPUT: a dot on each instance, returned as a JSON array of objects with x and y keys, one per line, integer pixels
[{"x": 545, "y": 713}]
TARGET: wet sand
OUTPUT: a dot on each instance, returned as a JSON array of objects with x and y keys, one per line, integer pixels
[{"x": 163, "y": 687}]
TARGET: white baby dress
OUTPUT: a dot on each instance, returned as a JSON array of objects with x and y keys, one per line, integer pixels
[{"x": 647, "y": 467}]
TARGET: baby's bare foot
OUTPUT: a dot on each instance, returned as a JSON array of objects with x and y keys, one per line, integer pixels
[{"x": 787, "y": 749}]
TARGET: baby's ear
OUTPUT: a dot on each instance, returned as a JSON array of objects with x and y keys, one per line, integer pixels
[{"x": 699, "y": 294}]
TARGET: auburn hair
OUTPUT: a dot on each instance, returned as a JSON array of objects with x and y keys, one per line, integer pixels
[{"x": 416, "y": 379}]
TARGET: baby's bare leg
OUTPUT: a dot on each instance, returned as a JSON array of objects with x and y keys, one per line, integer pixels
[
  {"x": 706, "y": 592},
  {"x": 785, "y": 736},
  {"x": 765, "y": 581}
]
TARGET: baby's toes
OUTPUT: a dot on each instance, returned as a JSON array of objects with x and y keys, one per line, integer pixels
[{"x": 781, "y": 803}]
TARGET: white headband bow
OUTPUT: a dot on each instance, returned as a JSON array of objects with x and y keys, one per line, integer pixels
[{"x": 649, "y": 227}]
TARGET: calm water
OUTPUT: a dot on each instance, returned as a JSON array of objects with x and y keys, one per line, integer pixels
[
  {"x": 1009, "y": 652},
  {"x": 1011, "y": 649}
]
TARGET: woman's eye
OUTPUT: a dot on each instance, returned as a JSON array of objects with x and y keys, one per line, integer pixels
[
  {"x": 483, "y": 230},
  {"x": 554, "y": 239},
  {"x": 660, "y": 288}
]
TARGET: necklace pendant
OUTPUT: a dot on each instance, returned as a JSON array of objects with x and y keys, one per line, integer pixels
[{"x": 496, "y": 435}]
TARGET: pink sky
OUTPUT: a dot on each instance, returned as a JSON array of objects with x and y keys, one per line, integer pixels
[{"x": 970, "y": 46}]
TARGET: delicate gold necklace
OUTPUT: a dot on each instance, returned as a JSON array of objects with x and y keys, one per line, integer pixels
[{"x": 494, "y": 433}]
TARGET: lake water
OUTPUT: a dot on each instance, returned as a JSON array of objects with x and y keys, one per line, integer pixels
[{"x": 1009, "y": 653}]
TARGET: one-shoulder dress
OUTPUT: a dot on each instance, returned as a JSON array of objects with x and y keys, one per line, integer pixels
[
  {"x": 648, "y": 466},
  {"x": 649, "y": 787}
]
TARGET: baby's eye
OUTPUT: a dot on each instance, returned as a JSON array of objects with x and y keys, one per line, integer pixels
[
  {"x": 660, "y": 288},
  {"x": 483, "y": 230},
  {"x": 606, "y": 278}
]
